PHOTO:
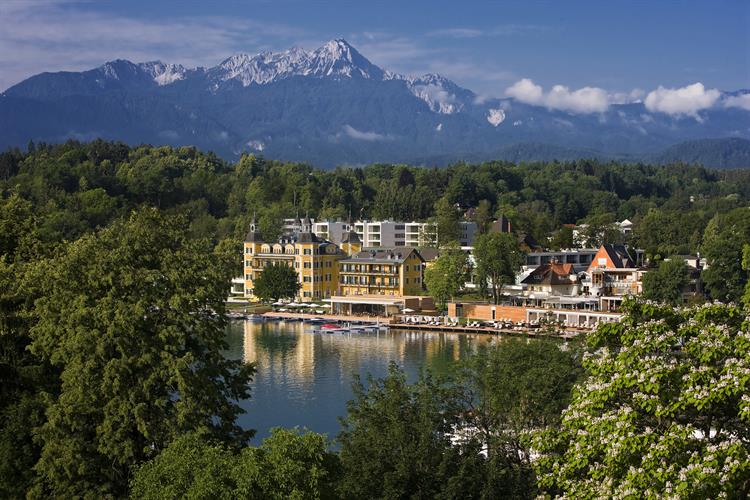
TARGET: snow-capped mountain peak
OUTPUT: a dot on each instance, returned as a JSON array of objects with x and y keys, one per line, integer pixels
[
  {"x": 441, "y": 95},
  {"x": 164, "y": 74},
  {"x": 157, "y": 71},
  {"x": 336, "y": 58}
]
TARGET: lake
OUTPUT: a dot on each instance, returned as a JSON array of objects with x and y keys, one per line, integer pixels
[{"x": 304, "y": 378}]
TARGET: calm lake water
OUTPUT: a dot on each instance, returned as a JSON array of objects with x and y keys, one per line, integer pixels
[{"x": 304, "y": 378}]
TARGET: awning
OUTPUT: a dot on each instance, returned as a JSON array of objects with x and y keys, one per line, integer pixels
[{"x": 371, "y": 300}]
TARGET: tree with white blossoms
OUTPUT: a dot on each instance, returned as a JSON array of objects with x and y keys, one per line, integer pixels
[{"x": 663, "y": 413}]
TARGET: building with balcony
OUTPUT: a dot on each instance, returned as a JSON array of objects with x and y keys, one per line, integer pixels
[
  {"x": 386, "y": 233},
  {"x": 313, "y": 258},
  {"x": 579, "y": 258},
  {"x": 395, "y": 271},
  {"x": 614, "y": 273}
]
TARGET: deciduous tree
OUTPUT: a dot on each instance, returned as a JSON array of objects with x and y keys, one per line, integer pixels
[
  {"x": 446, "y": 276},
  {"x": 666, "y": 282},
  {"x": 664, "y": 410},
  {"x": 277, "y": 281},
  {"x": 498, "y": 259},
  {"x": 133, "y": 318}
]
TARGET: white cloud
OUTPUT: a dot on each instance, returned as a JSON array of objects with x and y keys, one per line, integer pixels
[
  {"x": 635, "y": 95},
  {"x": 583, "y": 100},
  {"x": 527, "y": 91},
  {"x": 501, "y": 30},
  {"x": 364, "y": 135},
  {"x": 738, "y": 101},
  {"x": 686, "y": 100},
  {"x": 496, "y": 117}
]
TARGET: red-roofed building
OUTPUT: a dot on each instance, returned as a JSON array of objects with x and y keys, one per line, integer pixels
[
  {"x": 613, "y": 274},
  {"x": 553, "y": 278}
]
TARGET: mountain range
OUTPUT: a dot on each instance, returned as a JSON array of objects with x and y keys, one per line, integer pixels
[{"x": 333, "y": 106}]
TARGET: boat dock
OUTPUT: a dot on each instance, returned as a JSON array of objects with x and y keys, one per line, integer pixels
[
  {"x": 380, "y": 323},
  {"x": 525, "y": 332}
]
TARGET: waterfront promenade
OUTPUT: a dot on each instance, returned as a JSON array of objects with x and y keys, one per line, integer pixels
[{"x": 395, "y": 324}]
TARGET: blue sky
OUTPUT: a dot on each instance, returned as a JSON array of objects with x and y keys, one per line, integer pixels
[{"x": 484, "y": 46}]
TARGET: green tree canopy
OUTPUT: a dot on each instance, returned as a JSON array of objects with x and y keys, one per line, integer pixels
[
  {"x": 511, "y": 388},
  {"x": 288, "y": 465},
  {"x": 128, "y": 316},
  {"x": 277, "y": 281},
  {"x": 447, "y": 275},
  {"x": 498, "y": 259},
  {"x": 395, "y": 441},
  {"x": 446, "y": 220},
  {"x": 667, "y": 282},
  {"x": 663, "y": 412},
  {"x": 723, "y": 241}
]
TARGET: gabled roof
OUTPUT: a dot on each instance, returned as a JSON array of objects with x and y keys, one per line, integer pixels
[
  {"x": 619, "y": 256},
  {"x": 550, "y": 274},
  {"x": 383, "y": 255},
  {"x": 429, "y": 253}
]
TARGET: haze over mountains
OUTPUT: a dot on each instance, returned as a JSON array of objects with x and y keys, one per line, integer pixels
[{"x": 333, "y": 106}]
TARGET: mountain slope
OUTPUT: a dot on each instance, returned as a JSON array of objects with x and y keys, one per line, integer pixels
[
  {"x": 329, "y": 106},
  {"x": 718, "y": 153}
]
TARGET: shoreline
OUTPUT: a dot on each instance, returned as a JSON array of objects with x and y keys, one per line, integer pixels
[{"x": 391, "y": 324}]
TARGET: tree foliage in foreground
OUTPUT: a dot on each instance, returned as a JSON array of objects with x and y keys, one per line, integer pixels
[
  {"x": 277, "y": 281},
  {"x": 664, "y": 411},
  {"x": 395, "y": 441},
  {"x": 133, "y": 319},
  {"x": 287, "y": 465},
  {"x": 510, "y": 389}
]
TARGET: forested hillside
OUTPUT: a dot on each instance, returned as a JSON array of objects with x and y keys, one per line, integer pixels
[{"x": 74, "y": 188}]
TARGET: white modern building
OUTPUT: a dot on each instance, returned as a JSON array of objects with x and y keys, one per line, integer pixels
[{"x": 386, "y": 233}]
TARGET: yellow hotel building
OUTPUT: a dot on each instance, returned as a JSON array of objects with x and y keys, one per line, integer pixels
[
  {"x": 381, "y": 271},
  {"x": 314, "y": 259}
]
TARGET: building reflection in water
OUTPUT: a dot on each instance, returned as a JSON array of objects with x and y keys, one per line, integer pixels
[
  {"x": 305, "y": 378},
  {"x": 288, "y": 352}
]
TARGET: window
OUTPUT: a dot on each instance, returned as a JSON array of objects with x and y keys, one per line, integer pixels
[
  {"x": 306, "y": 265},
  {"x": 306, "y": 279},
  {"x": 308, "y": 251}
]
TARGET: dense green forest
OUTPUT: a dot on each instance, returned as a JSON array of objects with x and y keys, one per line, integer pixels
[
  {"x": 114, "y": 262},
  {"x": 75, "y": 188}
]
